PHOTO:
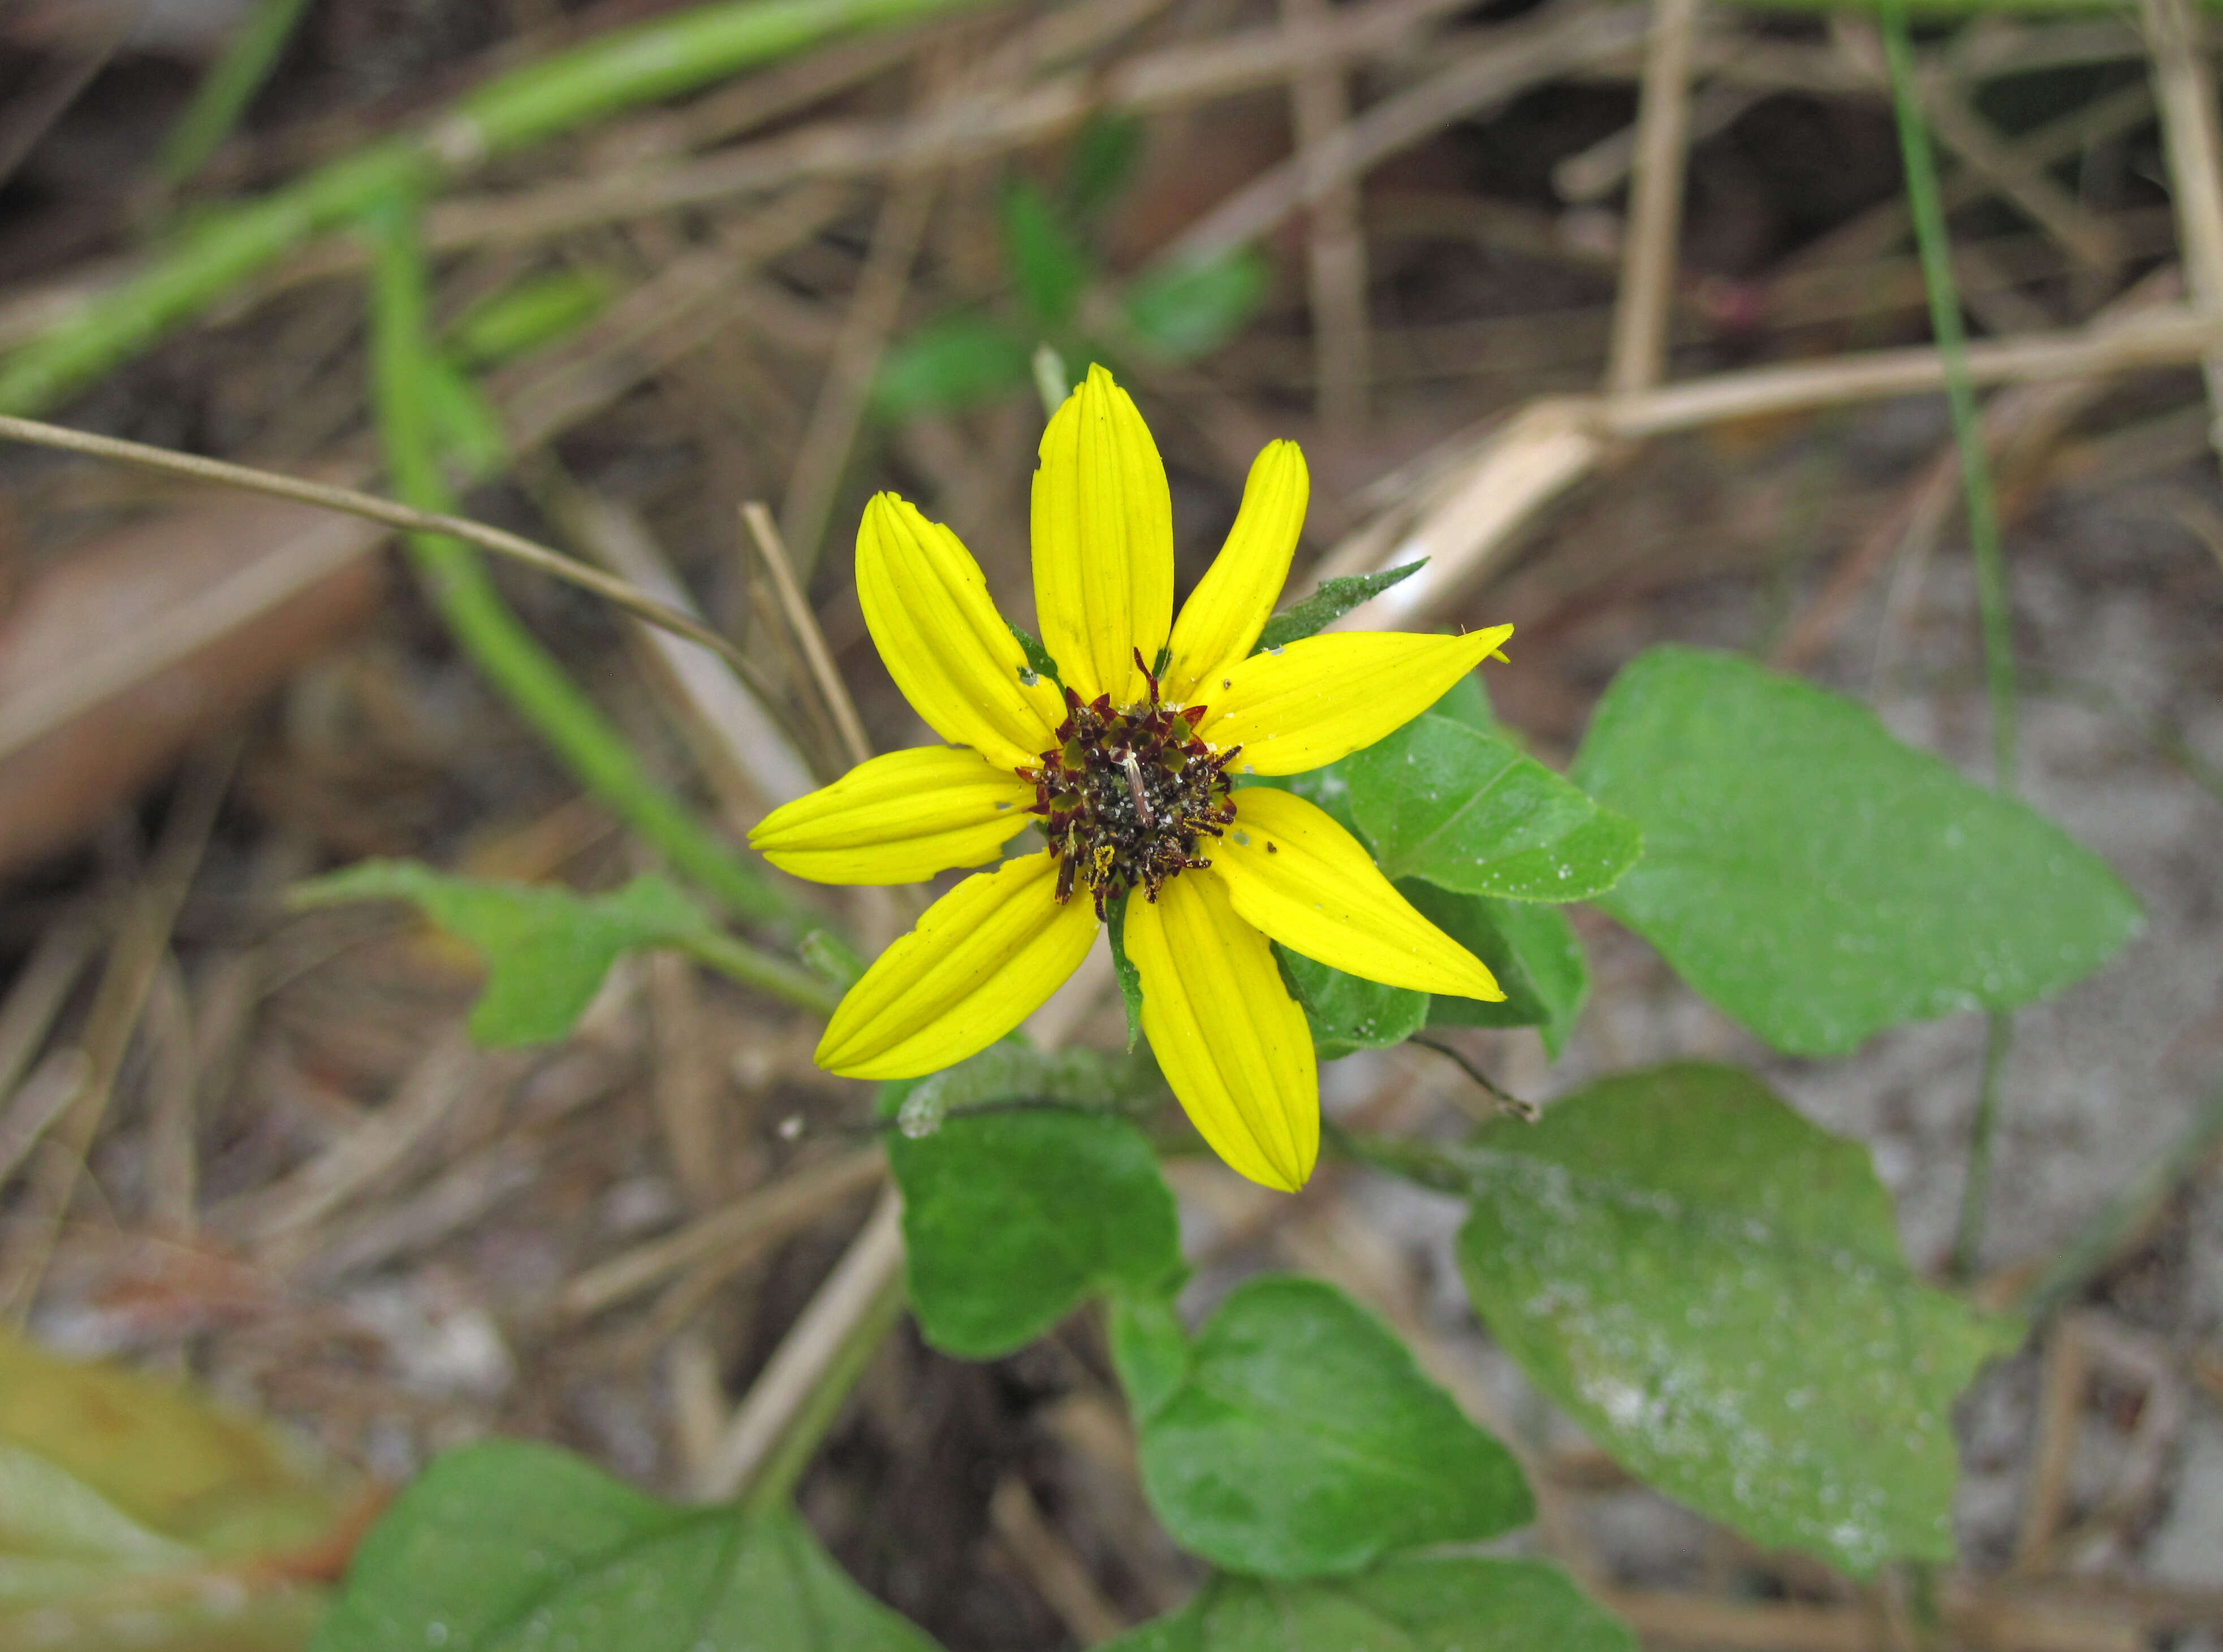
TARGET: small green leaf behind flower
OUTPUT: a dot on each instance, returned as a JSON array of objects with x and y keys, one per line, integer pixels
[
  {"x": 1530, "y": 947},
  {"x": 1303, "y": 1441},
  {"x": 1713, "y": 1289},
  {"x": 1334, "y": 599},
  {"x": 1013, "y": 1219},
  {"x": 505, "y": 1544},
  {"x": 547, "y": 950},
  {"x": 1439, "y": 801},
  {"x": 1348, "y": 1013},
  {"x": 1454, "y": 1603},
  {"x": 1818, "y": 880}
]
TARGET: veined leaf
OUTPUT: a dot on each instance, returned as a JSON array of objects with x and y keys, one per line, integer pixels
[
  {"x": 1013, "y": 1219},
  {"x": 1348, "y": 1013},
  {"x": 1817, "y": 879},
  {"x": 1713, "y": 1288},
  {"x": 546, "y": 949},
  {"x": 1334, "y": 599},
  {"x": 1453, "y": 1605},
  {"x": 1530, "y": 947},
  {"x": 949, "y": 365},
  {"x": 1302, "y": 1440},
  {"x": 506, "y": 1544},
  {"x": 1441, "y": 802}
]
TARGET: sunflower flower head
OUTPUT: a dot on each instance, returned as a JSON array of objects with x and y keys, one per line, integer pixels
[{"x": 1135, "y": 763}]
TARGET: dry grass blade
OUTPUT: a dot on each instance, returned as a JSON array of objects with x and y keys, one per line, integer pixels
[
  {"x": 19, "y": 727},
  {"x": 756, "y": 1219},
  {"x": 764, "y": 533},
  {"x": 1655, "y": 217},
  {"x": 1519, "y": 55},
  {"x": 866, "y": 1281},
  {"x": 142, "y": 941},
  {"x": 1335, "y": 252},
  {"x": 2185, "y": 86}
]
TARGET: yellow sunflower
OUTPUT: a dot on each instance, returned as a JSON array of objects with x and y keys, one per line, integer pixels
[{"x": 1134, "y": 775}]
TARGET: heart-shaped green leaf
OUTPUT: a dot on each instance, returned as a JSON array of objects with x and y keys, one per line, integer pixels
[
  {"x": 1818, "y": 880},
  {"x": 506, "y": 1545},
  {"x": 1440, "y": 800},
  {"x": 1302, "y": 1440},
  {"x": 1013, "y": 1219},
  {"x": 1713, "y": 1288}
]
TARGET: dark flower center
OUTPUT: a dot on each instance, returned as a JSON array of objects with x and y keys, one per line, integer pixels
[{"x": 1124, "y": 795}]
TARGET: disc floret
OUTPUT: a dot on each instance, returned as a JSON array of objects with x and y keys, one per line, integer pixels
[{"x": 1126, "y": 794}]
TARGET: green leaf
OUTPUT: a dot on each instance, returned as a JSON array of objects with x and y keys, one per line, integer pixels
[
  {"x": 507, "y": 1544},
  {"x": 1467, "y": 701},
  {"x": 1052, "y": 268},
  {"x": 1713, "y": 1288},
  {"x": 523, "y": 317},
  {"x": 1348, "y": 1013},
  {"x": 135, "y": 1512},
  {"x": 1452, "y": 1604},
  {"x": 1190, "y": 310},
  {"x": 1817, "y": 879},
  {"x": 949, "y": 365},
  {"x": 1101, "y": 162},
  {"x": 1123, "y": 968},
  {"x": 1011, "y": 1220},
  {"x": 1038, "y": 657},
  {"x": 1304, "y": 1441},
  {"x": 546, "y": 949},
  {"x": 1531, "y": 950},
  {"x": 1440, "y": 801},
  {"x": 1334, "y": 599},
  {"x": 1149, "y": 1350}
]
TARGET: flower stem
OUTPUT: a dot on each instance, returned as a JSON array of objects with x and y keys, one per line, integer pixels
[{"x": 1928, "y": 212}]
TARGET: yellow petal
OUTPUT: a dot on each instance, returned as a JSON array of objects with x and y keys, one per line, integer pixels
[
  {"x": 928, "y": 608},
  {"x": 1232, "y": 1042},
  {"x": 1230, "y": 607},
  {"x": 1292, "y": 872},
  {"x": 982, "y": 959},
  {"x": 1323, "y": 698},
  {"x": 1103, "y": 532},
  {"x": 898, "y": 819}
]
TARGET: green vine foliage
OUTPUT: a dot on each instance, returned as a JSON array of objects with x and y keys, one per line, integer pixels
[{"x": 1711, "y": 1286}]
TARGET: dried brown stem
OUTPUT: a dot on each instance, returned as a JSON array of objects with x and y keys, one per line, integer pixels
[{"x": 1655, "y": 215}]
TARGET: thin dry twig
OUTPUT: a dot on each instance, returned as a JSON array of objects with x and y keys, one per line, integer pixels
[
  {"x": 754, "y": 1221},
  {"x": 1655, "y": 218},
  {"x": 370, "y": 507},
  {"x": 1335, "y": 252},
  {"x": 764, "y": 533},
  {"x": 843, "y": 393},
  {"x": 142, "y": 942},
  {"x": 2185, "y": 86},
  {"x": 1518, "y": 55},
  {"x": 860, "y": 1284},
  {"x": 1059, "y": 1575}
]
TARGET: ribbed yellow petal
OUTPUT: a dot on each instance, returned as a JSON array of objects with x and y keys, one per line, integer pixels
[
  {"x": 928, "y": 608},
  {"x": 1292, "y": 872},
  {"x": 898, "y": 819},
  {"x": 1324, "y": 697},
  {"x": 982, "y": 959},
  {"x": 1230, "y": 607},
  {"x": 1231, "y": 1040},
  {"x": 1103, "y": 532}
]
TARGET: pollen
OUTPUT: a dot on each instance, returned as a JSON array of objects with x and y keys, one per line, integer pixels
[{"x": 1128, "y": 794}]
